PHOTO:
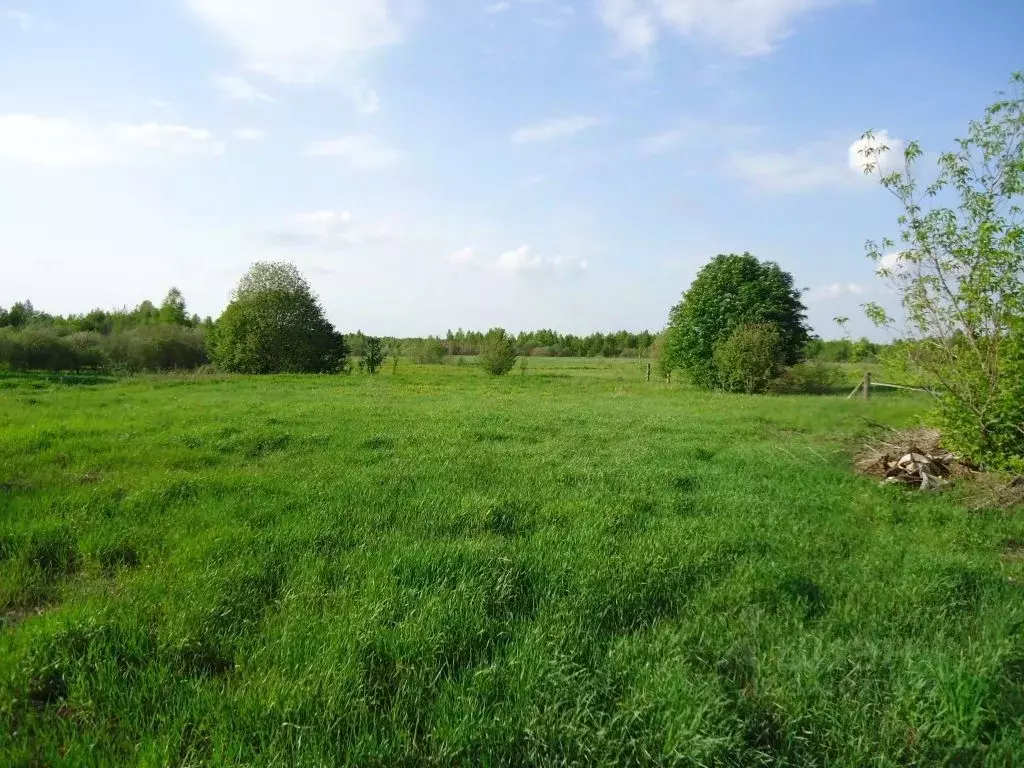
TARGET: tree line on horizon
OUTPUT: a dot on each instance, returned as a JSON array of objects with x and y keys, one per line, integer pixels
[{"x": 166, "y": 337}]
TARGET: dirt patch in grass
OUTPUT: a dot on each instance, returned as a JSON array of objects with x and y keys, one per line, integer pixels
[{"x": 1013, "y": 551}]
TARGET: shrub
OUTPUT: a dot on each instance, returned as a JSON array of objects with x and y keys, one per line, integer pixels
[
  {"x": 810, "y": 378},
  {"x": 373, "y": 355},
  {"x": 155, "y": 348},
  {"x": 729, "y": 292},
  {"x": 430, "y": 351},
  {"x": 498, "y": 355},
  {"x": 274, "y": 324},
  {"x": 36, "y": 350},
  {"x": 749, "y": 358}
]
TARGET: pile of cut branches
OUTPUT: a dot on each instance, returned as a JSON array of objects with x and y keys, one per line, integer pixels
[{"x": 911, "y": 457}]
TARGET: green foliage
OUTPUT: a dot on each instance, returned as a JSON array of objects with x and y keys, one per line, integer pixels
[
  {"x": 20, "y": 315},
  {"x": 750, "y": 358},
  {"x": 274, "y": 324},
  {"x": 958, "y": 269},
  {"x": 373, "y": 355},
  {"x": 569, "y": 569},
  {"x": 498, "y": 355},
  {"x": 36, "y": 349},
  {"x": 172, "y": 311},
  {"x": 807, "y": 378},
  {"x": 732, "y": 291},
  {"x": 146, "y": 348},
  {"x": 429, "y": 351},
  {"x": 155, "y": 348}
]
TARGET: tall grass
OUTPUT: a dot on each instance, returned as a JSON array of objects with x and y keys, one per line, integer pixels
[{"x": 570, "y": 567}]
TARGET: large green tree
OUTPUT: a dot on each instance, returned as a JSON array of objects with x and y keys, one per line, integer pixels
[
  {"x": 731, "y": 291},
  {"x": 274, "y": 324}
]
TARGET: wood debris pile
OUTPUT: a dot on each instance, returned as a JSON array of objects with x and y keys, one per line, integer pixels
[{"x": 913, "y": 458}]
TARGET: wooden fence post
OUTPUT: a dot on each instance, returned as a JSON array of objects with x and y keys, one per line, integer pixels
[
  {"x": 648, "y": 373},
  {"x": 867, "y": 385}
]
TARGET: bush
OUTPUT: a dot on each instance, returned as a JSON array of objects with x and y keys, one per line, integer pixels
[
  {"x": 750, "y": 358},
  {"x": 429, "y": 352},
  {"x": 150, "y": 348},
  {"x": 813, "y": 378},
  {"x": 373, "y": 355},
  {"x": 155, "y": 348},
  {"x": 274, "y": 324},
  {"x": 999, "y": 439},
  {"x": 498, "y": 355},
  {"x": 729, "y": 292},
  {"x": 36, "y": 350}
]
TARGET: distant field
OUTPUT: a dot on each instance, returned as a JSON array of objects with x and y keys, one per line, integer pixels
[{"x": 566, "y": 567}]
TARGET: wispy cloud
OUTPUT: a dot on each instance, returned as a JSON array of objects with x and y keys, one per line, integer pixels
[
  {"x": 739, "y": 27},
  {"x": 23, "y": 19},
  {"x": 234, "y": 88},
  {"x": 63, "y": 143},
  {"x": 661, "y": 143},
  {"x": 525, "y": 259},
  {"x": 465, "y": 255},
  {"x": 250, "y": 134},
  {"x": 836, "y": 290},
  {"x": 555, "y": 128},
  {"x": 814, "y": 166},
  {"x": 359, "y": 151},
  {"x": 327, "y": 229},
  {"x": 366, "y": 101},
  {"x": 303, "y": 40}
]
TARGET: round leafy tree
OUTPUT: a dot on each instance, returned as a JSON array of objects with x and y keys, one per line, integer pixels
[
  {"x": 274, "y": 324},
  {"x": 498, "y": 355},
  {"x": 730, "y": 292}
]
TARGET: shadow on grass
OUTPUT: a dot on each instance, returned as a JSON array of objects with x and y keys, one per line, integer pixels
[{"x": 45, "y": 380}]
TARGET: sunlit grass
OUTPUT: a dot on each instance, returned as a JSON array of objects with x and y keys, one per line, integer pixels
[{"x": 570, "y": 566}]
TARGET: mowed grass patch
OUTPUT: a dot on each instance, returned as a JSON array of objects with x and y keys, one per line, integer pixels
[{"x": 566, "y": 567}]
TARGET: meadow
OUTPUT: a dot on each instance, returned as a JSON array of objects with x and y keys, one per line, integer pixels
[{"x": 572, "y": 566}]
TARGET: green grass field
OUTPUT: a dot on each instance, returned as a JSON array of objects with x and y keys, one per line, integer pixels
[{"x": 567, "y": 567}]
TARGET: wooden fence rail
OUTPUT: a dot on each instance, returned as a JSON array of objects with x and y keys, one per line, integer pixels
[{"x": 865, "y": 385}]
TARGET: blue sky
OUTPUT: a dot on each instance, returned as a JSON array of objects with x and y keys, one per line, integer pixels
[{"x": 469, "y": 163}]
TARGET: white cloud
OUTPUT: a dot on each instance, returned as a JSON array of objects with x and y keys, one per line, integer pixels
[
  {"x": 463, "y": 256},
  {"x": 358, "y": 150},
  {"x": 23, "y": 19},
  {"x": 815, "y": 165},
  {"x": 661, "y": 142},
  {"x": 172, "y": 139},
  {"x": 741, "y": 27},
  {"x": 524, "y": 259},
  {"x": 536, "y": 180},
  {"x": 556, "y": 128},
  {"x": 302, "y": 40},
  {"x": 891, "y": 264},
  {"x": 250, "y": 134},
  {"x": 499, "y": 7},
  {"x": 366, "y": 101},
  {"x": 802, "y": 170},
  {"x": 884, "y": 153},
  {"x": 234, "y": 88},
  {"x": 63, "y": 143},
  {"x": 327, "y": 229},
  {"x": 632, "y": 22},
  {"x": 835, "y": 290},
  {"x": 50, "y": 142}
]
